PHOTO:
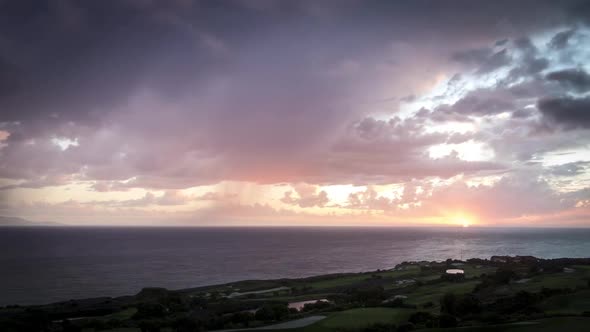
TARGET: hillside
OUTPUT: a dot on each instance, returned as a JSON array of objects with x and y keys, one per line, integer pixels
[{"x": 500, "y": 294}]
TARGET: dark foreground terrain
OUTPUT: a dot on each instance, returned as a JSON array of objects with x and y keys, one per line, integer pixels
[{"x": 500, "y": 294}]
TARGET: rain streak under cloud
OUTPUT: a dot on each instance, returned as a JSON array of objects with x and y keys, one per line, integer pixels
[{"x": 295, "y": 113}]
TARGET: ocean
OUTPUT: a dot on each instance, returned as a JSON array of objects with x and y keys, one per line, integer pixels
[{"x": 48, "y": 264}]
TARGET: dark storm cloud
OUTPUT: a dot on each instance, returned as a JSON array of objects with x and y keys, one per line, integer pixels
[
  {"x": 524, "y": 84},
  {"x": 575, "y": 79},
  {"x": 501, "y": 42},
  {"x": 480, "y": 102},
  {"x": 569, "y": 112},
  {"x": 10, "y": 79},
  {"x": 536, "y": 65},
  {"x": 80, "y": 58},
  {"x": 522, "y": 113},
  {"x": 580, "y": 11},
  {"x": 179, "y": 93},
  {"x": 531, "y": 63},
  {"x": 571, "y": 169},
  {"x": 94, "y": 54},
  {"x": 78, "y": 68},
  {"x": 493, "y": 100},
  {"x": 561, "y": 39},
  {"x": 484, "y": 59}
]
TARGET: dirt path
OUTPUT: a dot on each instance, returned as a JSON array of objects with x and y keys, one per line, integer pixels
[{"x": 237, "y": 294}]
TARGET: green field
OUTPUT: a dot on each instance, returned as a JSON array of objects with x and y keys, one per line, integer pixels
[
  {"x": 359, "y": 318},
  {"x": 355, "y": 319},
  {"x": 579, "y": 278},
  {"x": 473, "y": 271},
  {"x": 432, "y": 293},
  {"x": 121, "y": 329},
  {"x": 565, "y": 324},
  {"x": 348, "y": 280},
  {"x": 576, "y": 303},
  {"x": 362, "y": 317},
  {"x": 338, "y": 282},
  {"x": 123, "y": 314}
]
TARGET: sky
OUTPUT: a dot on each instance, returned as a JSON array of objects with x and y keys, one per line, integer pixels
[{"x": 327, "y": 113}]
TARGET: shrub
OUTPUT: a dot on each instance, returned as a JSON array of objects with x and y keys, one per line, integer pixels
[
  {"x": 271, "y": 312},
  {"x": 150, "y": 325},
  {"x": 448, "y": 303},
  {"x": 446, "y": 320},
  {"x": 421, "y": 317},
  {"x": 368, "y": 294},
  {"x": 149, "y": 310},
  {"x": 186, "y": 324},
  {"x": 428, "y": 304},
  {"x": 405, "y": 327},
  {"x": 467, "y": 304},
  {"x": 379, "y": 327},
  {"x": 503, "y": 276},
  {"x": 319, "y": 305}
]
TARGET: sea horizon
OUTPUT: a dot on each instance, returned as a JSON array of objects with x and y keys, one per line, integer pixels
[{"x": 295, "y": 226}]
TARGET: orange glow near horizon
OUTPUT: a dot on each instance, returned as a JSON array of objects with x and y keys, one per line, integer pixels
[
  {"x": 465, "y": 222},
  {"x": 461, "y": 219}
]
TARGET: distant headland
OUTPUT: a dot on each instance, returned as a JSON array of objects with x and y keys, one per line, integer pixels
[{"x": 20, "y": 222}]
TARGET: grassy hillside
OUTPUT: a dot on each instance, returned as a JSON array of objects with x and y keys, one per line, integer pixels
[{"x": 516, "y": 295}]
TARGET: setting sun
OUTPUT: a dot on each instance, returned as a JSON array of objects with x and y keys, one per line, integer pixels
[{"x": 462, "y": 221}]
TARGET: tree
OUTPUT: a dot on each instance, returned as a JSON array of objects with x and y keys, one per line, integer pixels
[
  {"x": 67, "y": 326},
  {"x": 186, "y": 324},
  {"x": 150, "y": 325},
  {"x": 448, "y": 304},
  {"x": 428, "y": 304},
  {"x": 524, "y": 299},
  {"x": 38, "y": 320},
  {"x": 368, "y": 294},
  {"x": 421, "y": 317},
  {"x": 503, "y": 275},
  {"x": 446, "y": 320},
  {"x": 405, "y": 327},
  {"x": 318, "y": 305},
  {"x": 271, "y": 312},
  {"x": 243, "y": 318},
  {"x": 467, "y": 304},
  {"x": 379, "y": 327},
  {"x": 149, "y": 310}
]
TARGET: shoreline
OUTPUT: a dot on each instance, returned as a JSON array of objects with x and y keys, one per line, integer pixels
[
  {"x": 413, "y": 292},
  {"x": 231, "y": 284}
]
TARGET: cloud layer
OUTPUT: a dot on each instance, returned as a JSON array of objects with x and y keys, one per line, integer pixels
[{"x": 190, "y": 111}]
